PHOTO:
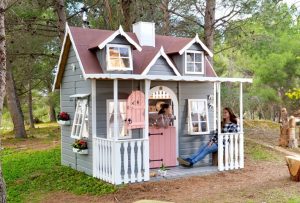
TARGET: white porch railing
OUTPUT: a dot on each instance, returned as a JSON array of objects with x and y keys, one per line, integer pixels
[
  {"x": 230, "y": 151},
  {"x": 121, "y": 161}
]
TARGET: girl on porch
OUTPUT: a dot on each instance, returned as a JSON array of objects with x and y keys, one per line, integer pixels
[{"x": 229, "y": 125}]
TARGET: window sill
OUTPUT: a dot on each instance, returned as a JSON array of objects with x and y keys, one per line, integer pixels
[{"x": 119, "y": 69}]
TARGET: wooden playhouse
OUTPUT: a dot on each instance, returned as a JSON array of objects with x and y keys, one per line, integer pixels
[{"x": 112, "y": 83}]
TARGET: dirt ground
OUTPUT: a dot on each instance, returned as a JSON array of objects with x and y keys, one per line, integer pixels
[{"x": 259, "y": 181}]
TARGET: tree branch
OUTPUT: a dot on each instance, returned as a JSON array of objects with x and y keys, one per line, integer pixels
[
  {"x": 184, "y": 17},
  {"x": 76, "y": 13}
]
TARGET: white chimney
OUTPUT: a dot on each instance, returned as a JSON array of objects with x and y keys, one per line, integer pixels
[{"x": 145, "y": 32}]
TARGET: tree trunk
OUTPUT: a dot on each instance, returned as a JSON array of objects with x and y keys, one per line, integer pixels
[
  {"x": 2, "y": 85},
  {"x": 14, "y": 105},
  {"x": 62, "y": 19},
  {"x": 166, "y": 16},
  {"x": 209, "y": 30},
  {"x": 30, "y": 112},
  {"x": 125, "y": 4},
  {"x": 52, "y": 116},
  {"x": 109, "y": 20}
]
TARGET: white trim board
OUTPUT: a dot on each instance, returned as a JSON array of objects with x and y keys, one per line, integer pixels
[
  {"x": 79, "y": 95},
  {"x": 59, "y": 60},
  {"x": 121, "y": 32},
  {"x": 68, "y": 32},
  {"x": 196, "y": 39},
  {"x": 167, "y": 78},
  {"x": 160, "y": 53}
]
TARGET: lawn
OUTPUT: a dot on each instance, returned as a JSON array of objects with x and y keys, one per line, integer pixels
[
  {"x": 39, "y": 172},
  {"x": 32, "y": 167}
]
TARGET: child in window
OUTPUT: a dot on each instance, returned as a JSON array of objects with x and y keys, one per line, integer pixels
[{"x": 165, "y": 117}]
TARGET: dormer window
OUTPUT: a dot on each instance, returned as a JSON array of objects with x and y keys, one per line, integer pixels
[
  {"x": 119, "y": 57},
  {"x": 194, "y": 62}
]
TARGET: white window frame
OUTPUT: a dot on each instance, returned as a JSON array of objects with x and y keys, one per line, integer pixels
[
  {"x": 129, "y": 136},
  {"x": 190, "y": 126},
  {"x": 186, "y": 62},
  {"x": 84, "y": 121},
  {"x": 130, "y": 68}
]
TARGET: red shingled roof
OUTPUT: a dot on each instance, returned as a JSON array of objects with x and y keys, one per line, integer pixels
[{"x": 87, "y": 40}]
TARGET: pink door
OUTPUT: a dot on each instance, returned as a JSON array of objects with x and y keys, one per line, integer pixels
[
  {"x": 162, "y": 146},
  {"x": 135, "y": 114}
]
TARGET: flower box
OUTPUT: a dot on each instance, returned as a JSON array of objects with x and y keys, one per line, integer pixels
[
  {"x": 80, "y": 151},
  {"x": 61, "y": 122}
]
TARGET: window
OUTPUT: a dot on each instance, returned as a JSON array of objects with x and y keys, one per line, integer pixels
[
  {"x": 123, "y": 131},
  {"x": 80, "y": 126},
  {"x": 119, "y": 57},
  {"x": 194, "y": 62},
  {"x": 198, "y": 116}
]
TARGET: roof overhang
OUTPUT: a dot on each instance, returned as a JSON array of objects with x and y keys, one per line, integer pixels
[
  {"x": 162, "y": 53},
  {"x": 67, "y": 43},
  {"x": 196, "y": 40},
  {"x": 121, "y": 32},
  {"x": 167, "y": 78}
]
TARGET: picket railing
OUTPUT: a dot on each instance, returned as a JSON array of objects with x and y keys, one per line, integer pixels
[
  {"x": 230, "y": 151},
  {"x": 121, "y": 161}
]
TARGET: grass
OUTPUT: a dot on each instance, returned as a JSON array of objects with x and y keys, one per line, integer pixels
[
  {"x": 29, "y": 172},
  {"x": 260, "y": 153}
]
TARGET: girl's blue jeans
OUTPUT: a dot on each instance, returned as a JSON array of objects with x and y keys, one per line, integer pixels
[{"x": 202, "y": 152}]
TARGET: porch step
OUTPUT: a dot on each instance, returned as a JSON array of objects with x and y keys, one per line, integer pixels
[{"x": 180, "y": 171}]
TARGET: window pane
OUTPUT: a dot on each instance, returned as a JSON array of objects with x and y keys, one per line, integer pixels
[
  {"x": 195, "y": 127},
  {"x": 190, "y": 67},
  {"x": 195, "y": 116},
  {"x": 124, "y": 63},
  {"x": 114, "y": 52},
  {"x": 198, "y": 67},
  {"x": 203, "y": 126},
  {"x": 114, "y": 63},
  {"x": 198, "y": 57},
  {"x": 124, "y": 52},
  {"x": 190, "y": 57}
]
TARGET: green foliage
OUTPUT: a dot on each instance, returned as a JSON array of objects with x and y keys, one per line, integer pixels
[
  {"x": 294, "y": 200},
  {"x": 259, "y": 153},
  {"x": 28, "y": 172},
  {"x": 266, "y": 47}
]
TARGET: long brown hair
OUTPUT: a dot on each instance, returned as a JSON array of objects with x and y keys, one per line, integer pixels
[{"x": 232, "y": 116}]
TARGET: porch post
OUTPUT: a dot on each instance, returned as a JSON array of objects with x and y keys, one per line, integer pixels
[
  {"x": 94, "y": 129},
  {"x": 215, "y": 106},
  {"x": 116, "y": 110},
  {"x": 115, "y": 159},
  {"x": 220, "y": 138},
  {"x": 146, "y": 132},
  {"x": 241, "y": 144},
  {"x": 94, "y": 112}
]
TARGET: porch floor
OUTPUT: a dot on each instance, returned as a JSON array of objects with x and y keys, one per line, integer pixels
[{"x": 180, "y": 171}]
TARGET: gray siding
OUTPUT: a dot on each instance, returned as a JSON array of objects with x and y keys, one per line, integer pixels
[
  {"x": 101, "y": 55},
  {"x": 161, "y": 67},
  {"x": 73, "y": 83},
  {"x": 189, "y": 144}
]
